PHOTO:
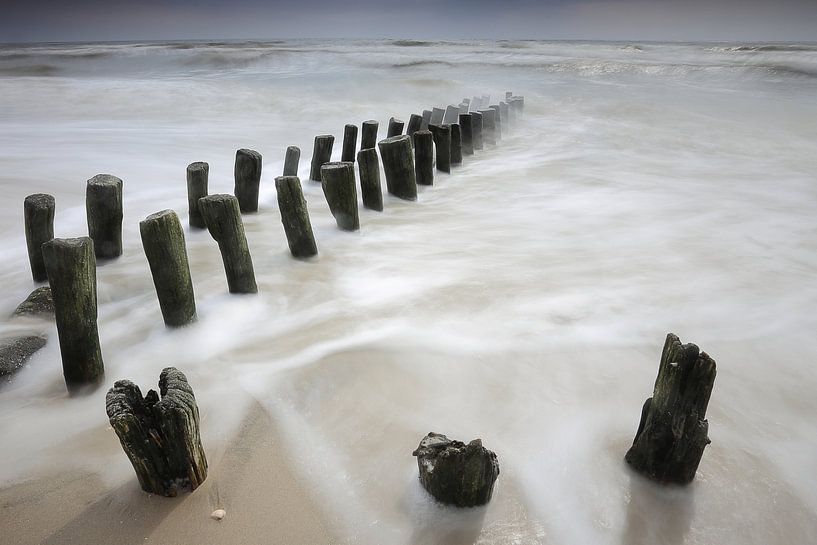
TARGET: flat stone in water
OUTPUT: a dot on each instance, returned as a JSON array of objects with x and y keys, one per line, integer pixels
[
  {"x": 38, "y": 303},
  {"x": 16, "y": 351}
]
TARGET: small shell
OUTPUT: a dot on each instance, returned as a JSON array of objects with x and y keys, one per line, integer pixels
[{"x": 218, "y": 514}]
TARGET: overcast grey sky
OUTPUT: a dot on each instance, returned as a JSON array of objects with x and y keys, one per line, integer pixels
[{"x": 90, "y": 20}]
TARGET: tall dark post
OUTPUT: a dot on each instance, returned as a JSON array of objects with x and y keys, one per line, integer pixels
[
  {"x": 103, "y": 206},
  {"x": 456, "y": 145},
  {"x": 504, "y": 115},
  {"x": 349, "y": 143},
  {"x": 442, "y": 143},
  {"x": 163, "y": 241},
  {"x": 340, "y": 190},
  {"x": 223, "y": 219},
  {"x": 426, "y": 120},
  {"x": 247, "y": 179},
  {"x": 295, "y": 217},
  {"x": 368, "y": 136},
  {"x": 451, "y": 114},
  {"x": 467, "y": 134},
  {"x": 488, "y": 127},
  {"x": 395, "y": 127},
  {"x": 197, "y": 176},
  {"x": 437, "y": 115},
  {"x": 369, "y": 170},
  {"x": 293, "y": 157},
  {"x": 38, "y": 210},
  {"x": 71, "y": 267},
  {"x": 398, "y": 165},
  {"x": 497, "y": 121},
  {"x": 476, "y": 130},
  {"x": 321, "y": 154},
  {"x": 424, "y": 157},
  {"x": 414, "y": 124}
]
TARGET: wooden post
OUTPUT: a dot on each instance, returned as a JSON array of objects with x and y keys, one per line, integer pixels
[
  {"x": 424, "y": 157},
  {"x": 291, "y": 160},
  {"x": 369, "y": 170},
  {"x": 463, "y": 108},
  {"x": 71, "y": 267},
  {"x": 437, "y": 115},
  {"x": 349, "y": 143},
  {"x": 442, "y": 143},
  {"x": 508, "y": 95},
  {"x": 488, "y": 127},
  {"x": 474, "y": 105},
  {"x": 426, "y": 120},
  {"x": 160, "y": 437},
  {"x": 340, "y": 190},
  {"x": 197, "y": 176},
  {"x": 295, "y": 217},
  {"x": 247, "y": 179},
  {"x": 103, "y": 206},
  {"x": 398, "y": 165},
  {"x": 476, "y": 130},
  {"x": 456, "y": 145},
  {"x": 223, "y": 219},
  {"x": 163, "y": 241},
  {"x": 497, "y": 122},
  {"x": 450, "y": 116},
  {"x": 467, "y": 134},
  {"x": 321, "y": 154},
  {"x": 672, "y": 434},
  {"x": 395, "y": 127},
  {"x": 368, "y": 136},
  {"x": 415, "y": 121},
  {"x": 38, "y": 211},
  {"x": 504, "y": 115}
]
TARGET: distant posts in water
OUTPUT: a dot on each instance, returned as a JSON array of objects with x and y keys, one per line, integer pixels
[
  {"x": 71, "y": 267},
  {"x": 673, "y": 430},
  {"x": 456, "y": 145},
  {"x": 247, "y": 179},
  {"x": 160, "y": 436},
  {"x": 414, "y": 124},
  {"x": 476, "y": 130},
  {"x": 424, "y": 157},
  {"x": 488, "y": 127},
  {"x": 295, "y": 217},
  {"x": 395, "y": 127},
  {"x": 497, "y": 121},
  {"x": 38, "y": 210},
  {"x": 321, "y": 154},
  {"x": 166, "y": 252},
  {"x": 398, "y": 165},
  {"x": 223, "y": 219},
  {"x": 103, "y": 206},
  {"x": 451, "y": 113},
  {"x": 197, "y": 176},
  {"x": 442, "y": 142},
  {"x": 437, "y": 115},
  {"x": 291, "y": 160},
  {"x": 339, "y": 188},
  {"x": 368, "y": 134},
  {"x": 467, "y": 134},
  {"x": 349, "y": 143},
  {"x": 504, "y": 115},
  {"x": 369, "y": 170},
  {"x": 426, "y": 120}
]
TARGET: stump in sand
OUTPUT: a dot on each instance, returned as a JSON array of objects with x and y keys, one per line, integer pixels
[
  {"x": 291, "y": 160},
  {"x": 339, "y": 188},
  {"x": 71, "y": 269},
  {"x": 295, "y": 217},
  {"x": 163, "y": 241},
  {"x": 38, "y": 210},
  {"x": 197, "y": 176},
  {"x": 369, "y": 170},
  {"x": 368, "y": 134},
  {"x": 247, "y": 179},
  {"x": 424, "y": 157},
  {"x": 321, "y": 154},
  {"x": 223, "y": 219},
  {"x": 160, "y": 437},
  {"x": 456, "y": 473},
  {"x": 349, "y": 143},
  {"x": 467, "y": 134},
  {"x": 672, "y": 434},
  {"x": 103, "y": 206},
  {"x": 398, "y": 165},
  {"x": 395, "y": 127},
  {"x": 442, "y": 143}
]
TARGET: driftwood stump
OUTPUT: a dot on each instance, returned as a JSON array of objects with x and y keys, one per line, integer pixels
[
  {"x": 369, "y": 170},
  {"x": 247, "y": 175},
  {"x": 321, "y": 154},
  {"x": 160, "y": 437},
  {"x": 291, "y": 160},
  {"x": 295, "y": 217},
  {"x": 223, "y": 219},
  {"x": 103, "y": 206},
  {"x": 38, "y": 210},
  {"x": 672, "y": 434},
  {"x": 398, "y": 165},
  {"x": 368, "y": 134},
  {"x": 340, "y": 190},
  {"x": 197, "y": 180}
]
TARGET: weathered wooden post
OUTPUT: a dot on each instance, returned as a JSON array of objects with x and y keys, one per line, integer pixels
[
  {"x": 488, "y": 127},
  {"x": 160, "y": 437},
  {"x": 456, "y": 145},
  {"x": 398, "y": 165},
  {"x": 424, "y": 157},
  {"x": 672, "y": 434},
  {"x": 247, "y": 179},
  {"x": 71, "y": 267},
  {"x": 504, "y": 115},
  {"x": 415, "y": 121},
  {"x": 395, "y": 127},
  {"x": 349, "y": 143},
  {"x": 295, "y": 217},
  {"x": 321, "y": 154},
  {"x": 518, "y": 105},
  {"x": 223, "y": 219},
  {"x": 368, "y": 134},
  {"x": 340, "y": 190},
  {"x": 291, "y": 160},
  {"x": 103, "y": 207},
  {"x": 467, "y": 134},
  {"x": 463, "y": 108},
  {"x": 476, "y": 130},
  {"x": 450, "y": 116},
  {"x": 369, "y": 170},
  {"x": 456, "y": 473},
  {"x": 197, "y": 179},
  {"x": 497, "y": 121},
  {"x": 508, "y": 95},
  {"x": 38, "y": 210},
  {"x": 437, "y": 115},
  {"x": 442, "y": 143},
  {"x": 163, "y": 241},
  {"x": 474, "y": 105},
  {"x": 426, "y": 120}
]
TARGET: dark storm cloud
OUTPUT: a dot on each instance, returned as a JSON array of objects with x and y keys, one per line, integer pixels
[{"x": 87, "y": 20}]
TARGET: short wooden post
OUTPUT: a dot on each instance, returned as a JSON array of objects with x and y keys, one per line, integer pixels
[
  {"x": 223, "y": 219},
  {"x": 295, "y": 217},
  {"x": 197, "y": 180},
  {"x": 340, "y": 190},
  {"x": 426, "y": 120},
  {"x": 467, "y": 134},
  {"x": 414, "y": 123},
  {"x": 463, "y": 108},
  {"x": 437, "y": 115},
  {"x": 291, "y": 160},
  {"x": 476, "y": 130},
  {"x": 395, "y": 127},
  {"x": 456, "y": 144},
  {"x": 163, "y": 241},
  {"x": 442, "y": 144},
  {"x": 369, "y": 170},
  {"x": 424, "y": 157},
  {"x": 38, "y": 211},
  {"x": 474, "y": 105},
  {"x": 247, "y": 179},
  {"x": 160, "y": 437},
  {"x": 71, "y": 267},
  {"x": 451, "y": 114},
  {"x": 508, "y": 95},
  {"x": 103, "y": 207},
  {"x": 497, "y": 122},
  {"x": 321, "y": 154},
  {"x": 488, "y": 127},
  {"x": 398, "y": 165},
  {"x": 349, "y": 143},
  {"x": 504, "y": 115},
  {"x": 368, "y": 134}
]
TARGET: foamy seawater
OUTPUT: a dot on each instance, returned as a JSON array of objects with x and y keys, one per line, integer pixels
[{"x": 523, "y": 299}]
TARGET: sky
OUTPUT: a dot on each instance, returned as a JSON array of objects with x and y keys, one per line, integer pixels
[{"x": 661, "y": 20}]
